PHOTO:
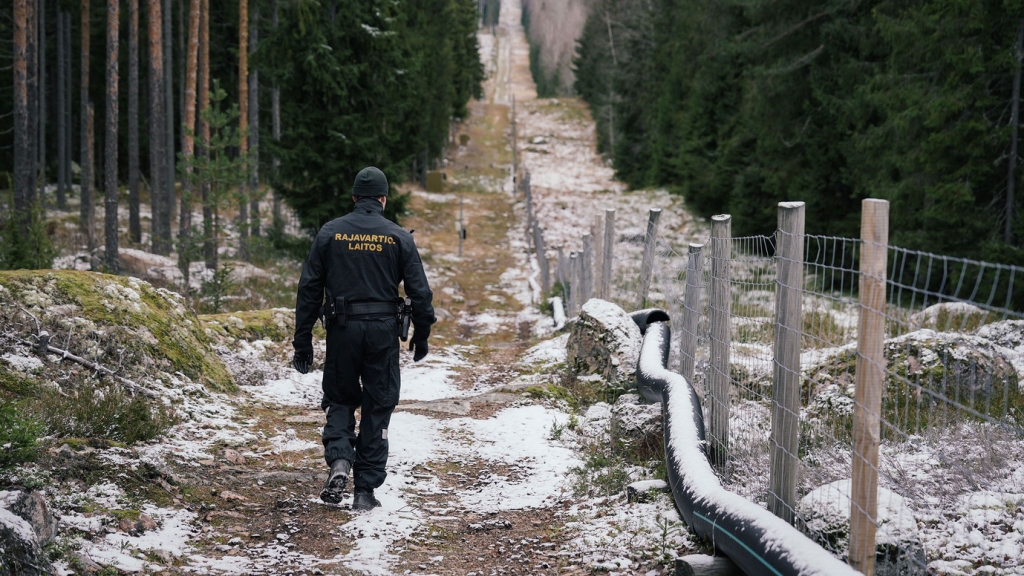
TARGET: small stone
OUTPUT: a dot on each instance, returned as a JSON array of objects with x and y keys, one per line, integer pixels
[
  {"x": 235, "y": 540},
  {"x": 145, "y": 523},
  {"x": 290, "y": 435},
  {"x": 283, "y": 537},
  {"x": 232, "y": 456},
  {"x": 229, "y": 495},
  {"x": 165, "y": 556},
  {"x": 207, "y": 462}
]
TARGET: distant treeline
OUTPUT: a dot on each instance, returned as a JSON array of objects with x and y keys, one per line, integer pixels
[{"x": 739, "y": 104}]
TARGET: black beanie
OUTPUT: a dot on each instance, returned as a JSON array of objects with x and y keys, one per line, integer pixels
[{"x": 370, "y": 182}]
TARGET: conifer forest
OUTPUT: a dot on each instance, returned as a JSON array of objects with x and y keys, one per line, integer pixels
[
  {"x": 737, "y": 105},
  {"x": 172, "y": 103}
]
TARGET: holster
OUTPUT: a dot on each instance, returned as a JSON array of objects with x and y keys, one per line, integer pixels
[
  {"x": 406, "y": 318},
  {"x": 334, "y": 312}
]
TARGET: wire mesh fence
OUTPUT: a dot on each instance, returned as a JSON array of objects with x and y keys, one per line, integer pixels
[{"x": 949, "y": 463}]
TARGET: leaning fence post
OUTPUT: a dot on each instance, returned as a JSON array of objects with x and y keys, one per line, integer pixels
[
  {"x": 542, "y": 258},
  {"x": 785, "y": 437},
  {"x": 609, "y": 248},
  {"x": 719, "y": 318},
  {"x": 647, "y": 267},
  {"x": 874, "y": 234},
  {"x": 691, "y": 311},
  {"x": 587, "y": 267}
]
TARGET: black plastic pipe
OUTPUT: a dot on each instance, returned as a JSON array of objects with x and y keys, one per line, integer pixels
[{"x": 755, "y": 539}]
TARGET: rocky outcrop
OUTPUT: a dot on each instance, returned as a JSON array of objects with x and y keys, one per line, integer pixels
[
  {"x": 980, "y": 371},
  {"x": 26, "y": 525},
  {"x": 606, "y": 342},
  {"x": 118, "y": 322},
  {"x": 825, "y": 512}
]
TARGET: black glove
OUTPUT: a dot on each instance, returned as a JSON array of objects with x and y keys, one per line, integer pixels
[
  {"x": 303, "y": 360},
  {"x": 419, "y": 341}
]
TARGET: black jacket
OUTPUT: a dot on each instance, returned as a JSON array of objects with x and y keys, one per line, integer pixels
[{"x": 363, "y": 257}]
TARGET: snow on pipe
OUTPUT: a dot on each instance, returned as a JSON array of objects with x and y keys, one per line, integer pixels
[{"x": 755, "y": 539}]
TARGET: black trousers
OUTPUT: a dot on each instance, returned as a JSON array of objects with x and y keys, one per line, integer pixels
[{"x": 365, "y": 351}]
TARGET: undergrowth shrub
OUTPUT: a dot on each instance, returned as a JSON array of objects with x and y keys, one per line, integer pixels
[
  {"x": 18, "y": 435},
  {"x": 103, "y": 412}
]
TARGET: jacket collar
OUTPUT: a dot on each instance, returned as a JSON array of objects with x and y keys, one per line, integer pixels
[{"x": 370, "y": 205}]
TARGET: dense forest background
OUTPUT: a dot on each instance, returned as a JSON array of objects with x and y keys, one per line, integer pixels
[
  {"x": 739, "y": 104},
  {"x": 298, "y": 94}
]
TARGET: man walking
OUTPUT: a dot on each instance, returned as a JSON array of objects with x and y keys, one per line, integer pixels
[{"x": 353, "y": 271}]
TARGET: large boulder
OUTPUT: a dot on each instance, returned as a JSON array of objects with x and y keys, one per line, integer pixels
[
  {"x": 604, "y": 341},
  {"x": 26, "y": 525},
  {"x": 825, "y": 512}
]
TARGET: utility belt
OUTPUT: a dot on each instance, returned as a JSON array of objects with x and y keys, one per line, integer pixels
[{"x": 338, "y": 312}]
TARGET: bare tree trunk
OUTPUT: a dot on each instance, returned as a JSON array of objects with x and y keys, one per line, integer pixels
[
  {"x": 90, "y": 154},
  {"x": 87, "y": 213},
  {"x": 32, "y": 53},
  {"x": 134, "y": 221},
  {"x": 69, "y": 116},
  {"x": 23, "y": 156},
  {"x": 243, "y": 122},
  {"x": 254, "y": 130},
  {"x": 110, "y": 140},
  {"x": 209, "y": 242},
  {"x": 170, "y": 176},
  {"x": 275, "y": 112},
  {"x": 42, "y": 99},
  {"x": 62, "y": 96},
  {"x": 1011, "y": 184},
  {"x": 191, "y": 65},
  {"x": 157, "y": 130}
]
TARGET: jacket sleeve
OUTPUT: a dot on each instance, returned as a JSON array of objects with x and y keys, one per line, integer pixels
[
  {"x": 309, "y": 298},
  {"x": 416, "y": 287}
]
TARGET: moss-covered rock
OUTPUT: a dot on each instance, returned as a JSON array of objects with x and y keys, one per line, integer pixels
[
  {"x": 276, "y": 325},
  {"x": 120, "y": 322}
]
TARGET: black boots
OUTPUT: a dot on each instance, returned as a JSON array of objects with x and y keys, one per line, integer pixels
[
  {"x": 335, "y": 486},
  {"x": 336, "y": 481},
  {"x": 364, "y": 500}
]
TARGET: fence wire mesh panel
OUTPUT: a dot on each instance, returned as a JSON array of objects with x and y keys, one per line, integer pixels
[{"x": 951, "y": 477}]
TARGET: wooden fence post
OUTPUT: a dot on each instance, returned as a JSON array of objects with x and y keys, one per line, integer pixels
[
  {"x": 691, "y": 311},
  {"x": 542, "y": 258},
  {"x": 647, "y": 266},
  {"x": 587, "y": 267},
  {"x": 608, "y": 257},
  {"x": 874, "y": 234},
  {"x": 574, "y": 283},
  {"x": 719, "y": 320},
  {"x": 598, "y": 258},
  {"x": 785, "y": 436},
  {"x": 561, "y": 274}
]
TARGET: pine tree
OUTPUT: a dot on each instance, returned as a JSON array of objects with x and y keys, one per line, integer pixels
[{"x": 110, "y": 140}]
